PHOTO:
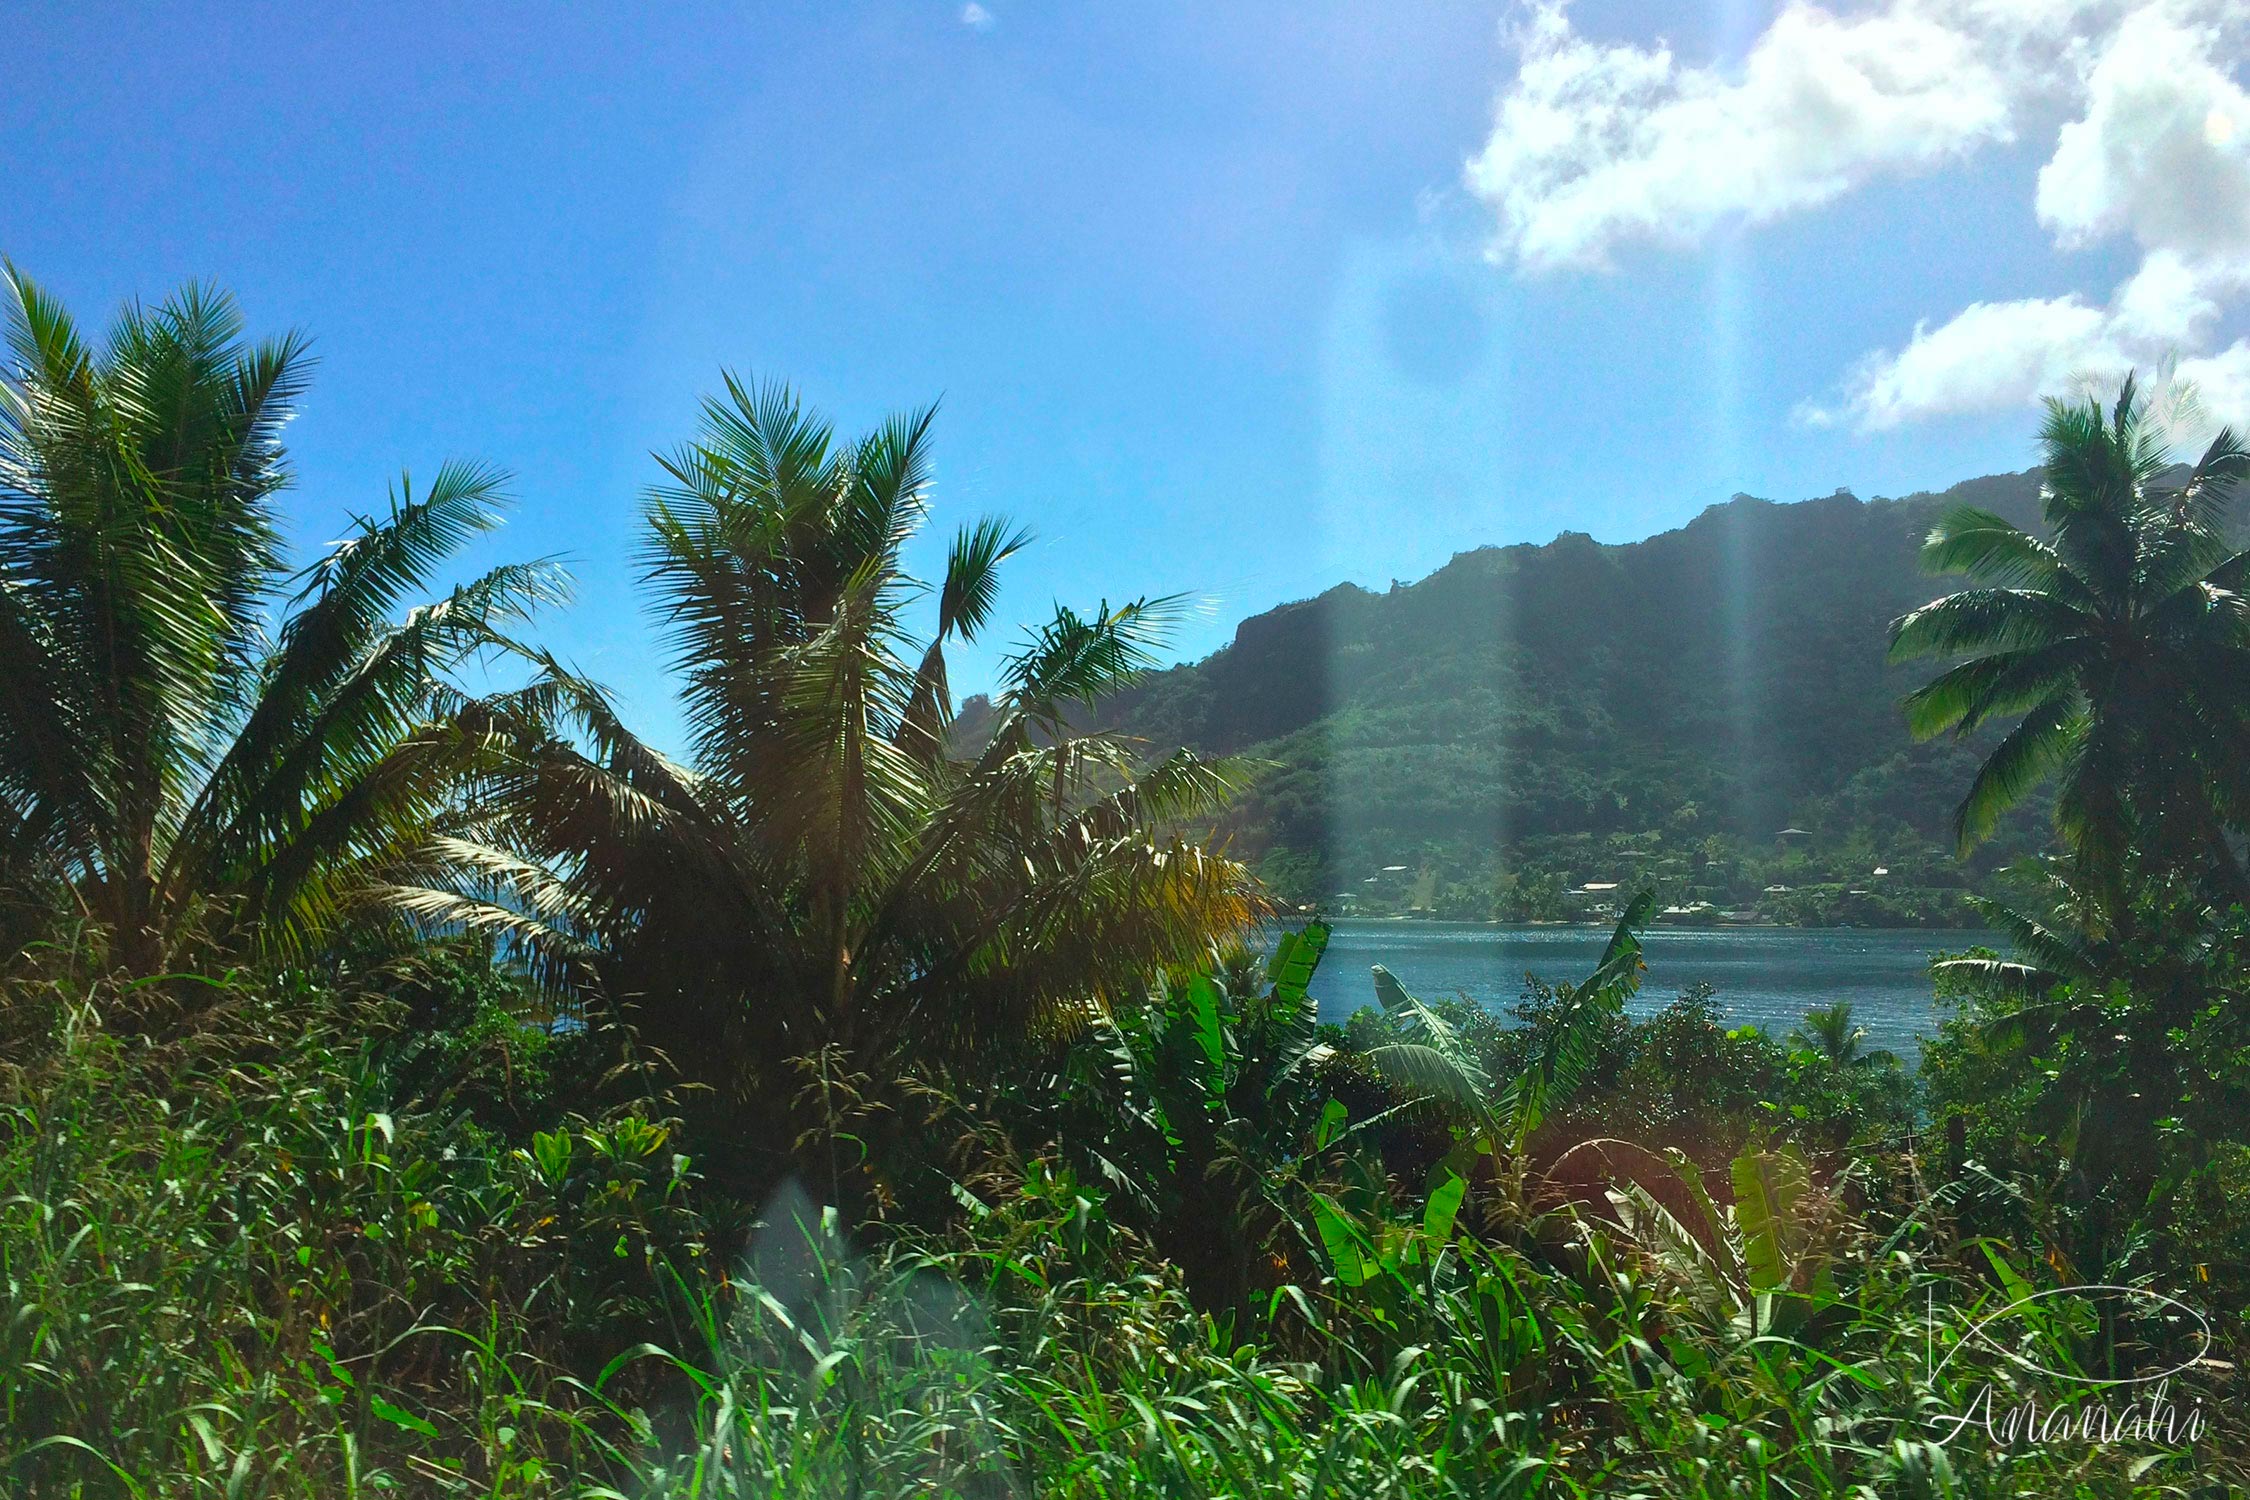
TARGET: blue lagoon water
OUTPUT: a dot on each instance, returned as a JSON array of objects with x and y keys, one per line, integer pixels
[{"x": 1767, "y": 975}]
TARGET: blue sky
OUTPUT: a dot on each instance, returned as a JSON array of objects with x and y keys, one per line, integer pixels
[{"x": 1237, "y": 300}]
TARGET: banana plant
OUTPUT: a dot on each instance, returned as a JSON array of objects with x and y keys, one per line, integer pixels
[
  {"x": 1431, "y": 1065},
  {"x": 1295, "y": 956},
  {"x": 1760, "y": 1266},
  {"x": 1206, "y": 1111}
]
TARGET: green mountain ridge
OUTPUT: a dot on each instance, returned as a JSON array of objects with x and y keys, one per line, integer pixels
[{"x": 1583, "y": 713}]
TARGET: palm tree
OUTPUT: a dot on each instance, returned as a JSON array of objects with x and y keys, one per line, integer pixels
[
  {"x": 1828, "y": 1033},
  {"x": 829, "y": 895},
  {"x": 2122, "y": 639},
  {"x": 167, "y": 770}
]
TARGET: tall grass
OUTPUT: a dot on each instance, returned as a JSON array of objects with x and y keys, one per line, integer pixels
[
  {"x": 231, "y": 1270},
  {"x": 1011, "y": 1364},
  {"x": 245, "y": 1267}
]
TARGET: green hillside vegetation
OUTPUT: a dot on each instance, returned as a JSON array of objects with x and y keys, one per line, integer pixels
[
  {"x": 1531, "y": 719},
  {"x": 424, "y": 1090}
]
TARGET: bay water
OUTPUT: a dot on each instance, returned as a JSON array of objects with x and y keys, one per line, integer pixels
[{"x": 1769, "y": 976}]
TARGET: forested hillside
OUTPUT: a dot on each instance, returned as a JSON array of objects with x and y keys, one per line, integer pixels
[{"x": 1531, "y": 719}]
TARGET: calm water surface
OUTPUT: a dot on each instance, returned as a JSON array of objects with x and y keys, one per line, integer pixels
[{"x": 1769, "y": 975}]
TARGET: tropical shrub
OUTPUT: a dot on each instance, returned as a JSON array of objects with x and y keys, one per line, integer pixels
[{"x": 235, "y": 1265}]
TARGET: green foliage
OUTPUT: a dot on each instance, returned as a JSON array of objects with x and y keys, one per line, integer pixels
[
  {"x": 238, "y": 1266},
  {"x": 407, "y": 1320},
  {"x": 876, "y": 1107},
  {"x": 2096, "y": 1095},
  {"x": 1564, "y": 1048},
  {"x": 1209, "y": 1116},
  {"x": 470, "y": 1032},
  {"x": 1295, "y": 956}
]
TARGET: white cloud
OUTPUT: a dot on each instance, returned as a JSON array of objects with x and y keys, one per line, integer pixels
[
  {"x": 1594, "y": 145},
  {"x": 976, "y": 17},
  {"x": 2162, "y": 152},
  {"x": 2155, "y": 154},
  {"x": 2222, "y": 380},
  {"x": 2169, "y": 300},
  {"x": 1991, "y": 354}
]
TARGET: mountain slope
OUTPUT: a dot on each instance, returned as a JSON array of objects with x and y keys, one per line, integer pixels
[{"x": 1580, "y": 702}]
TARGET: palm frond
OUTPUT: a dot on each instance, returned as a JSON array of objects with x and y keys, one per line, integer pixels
[
  {"x": 1984, "y": 620},
  {"x": 1077, "y": 659},
  {"x": 1964, "y": 698},
  {"x": 972, "y": 575},
  {"x": 1985, "y": 546},
  {"x": 2203, "y": 499},
  {"x": 2031, "y": 752}
]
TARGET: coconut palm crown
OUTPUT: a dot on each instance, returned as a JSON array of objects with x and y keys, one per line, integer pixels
[
  {"x": 173, "y": 769},
  {"x": 2121, "y": 638},
  {"x": 829, "y": 892}
]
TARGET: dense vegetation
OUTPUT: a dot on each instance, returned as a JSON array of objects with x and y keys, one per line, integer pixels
[
  {"x": 419, "y": 1091},
  {"x": 1531, "y": 719}
]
